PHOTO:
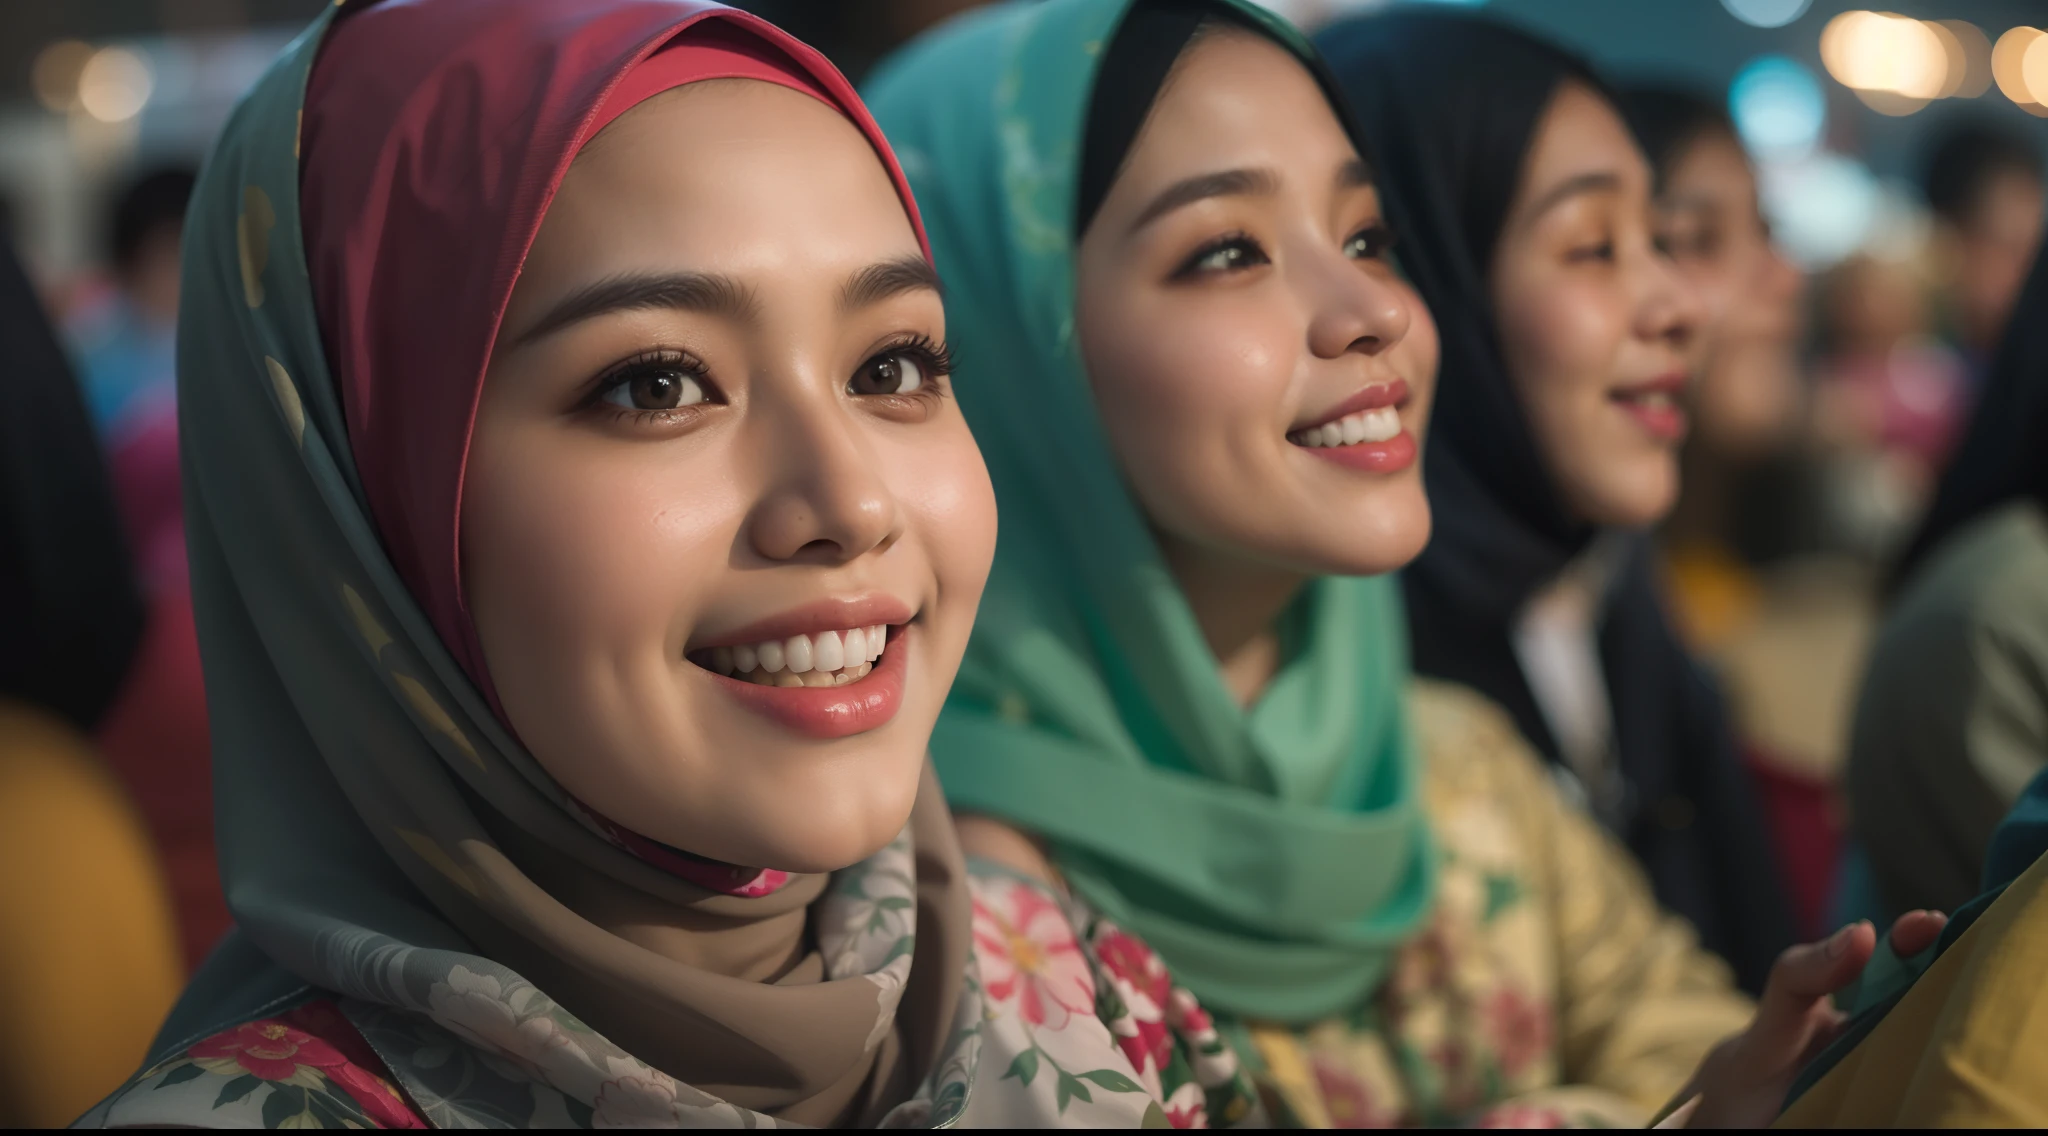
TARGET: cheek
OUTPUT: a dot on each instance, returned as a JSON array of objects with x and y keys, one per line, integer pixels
[
  {"x": 948, "y": 501},
  {"x": 579, "y": 552},
  {"x": 1187, "y": 390}
]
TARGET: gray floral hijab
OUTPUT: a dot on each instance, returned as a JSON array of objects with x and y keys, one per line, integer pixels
[{"x": 383, "y": 837}]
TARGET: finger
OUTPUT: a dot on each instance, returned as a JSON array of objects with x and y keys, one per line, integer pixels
[
  {"x": 1915, "y": 931},
  {"x": 1803, "y": 975}
]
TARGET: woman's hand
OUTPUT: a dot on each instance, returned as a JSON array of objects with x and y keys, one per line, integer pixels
[{"x": 1743, "y": 1081}]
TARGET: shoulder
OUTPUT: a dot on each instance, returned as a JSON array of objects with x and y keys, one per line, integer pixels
[
  {"x": 307, "y": 1067},
  {"x": 1084, "y": 1025},
  {"x": 1467, "y": 742},
  {"x": 1990, "y": 576}
]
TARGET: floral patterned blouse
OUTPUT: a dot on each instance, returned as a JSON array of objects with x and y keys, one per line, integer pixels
[
  {"x": 1548, "y": 989},
  {"x": 1079, "y": 1026}
]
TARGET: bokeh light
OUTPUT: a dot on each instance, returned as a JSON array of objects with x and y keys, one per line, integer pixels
[
  {"x": 54, "y": 75},
  {"x": 115, "y": 85},
  {"x": 2009, "y": 66},
  {"x": 1821, "y": 207},
  {"x": 1767, "y": 13},
  {"x": 1884, "y": 54},
  {"x": 1778, "y": 107},
  {"x": 1975, "y": 76}
]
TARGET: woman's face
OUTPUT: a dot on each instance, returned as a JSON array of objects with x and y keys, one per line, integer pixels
[
  {"x": 1263, "y": 373},
  {"x": 1750, "y": 295},
  {"x": 724, "y": 529},
  {"x": 1595, "y": 323}
]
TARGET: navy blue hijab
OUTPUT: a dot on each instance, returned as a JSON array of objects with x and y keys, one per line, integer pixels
[{"x": 1449, "y": 105}]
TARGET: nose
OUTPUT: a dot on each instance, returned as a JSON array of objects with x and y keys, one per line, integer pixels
[
  {"x": 1354, "y": 309},
  {"x": 1668, "y": 307},
  {"x": 823, "y": 500}
]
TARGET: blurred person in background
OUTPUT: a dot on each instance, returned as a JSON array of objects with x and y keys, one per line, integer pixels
[
  {"x": 1524, "y": 208},
  {"x": 156, "y": 737},
  {"x": 1952, "y": 720},
  {"x": 88, "y": 954},
  {"x": 1984, "y": 184},
  {"x": 127, "y": 340},
  {"x": 1784, "y": 636}
]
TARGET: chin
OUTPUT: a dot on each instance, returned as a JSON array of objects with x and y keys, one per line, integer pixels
[
  {"x": 1641, "y": 501},
  {"x": 1385, "y": 537}
]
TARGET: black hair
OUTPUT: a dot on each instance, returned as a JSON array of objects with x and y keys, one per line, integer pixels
[
  {"x": 1966, "y": 158},
  {"x": 151, "y": 203},
  {"x": 1140, "y": 58},
  {"x": 1668, "y": 120}
]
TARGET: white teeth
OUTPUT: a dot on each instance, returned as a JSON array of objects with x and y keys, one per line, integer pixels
[
  {"x": 796, "y": 650},
  {"x": 828, "y": 653},
  {"x": 829, "y": 658},
  {"x": 1381, "y": 425}
]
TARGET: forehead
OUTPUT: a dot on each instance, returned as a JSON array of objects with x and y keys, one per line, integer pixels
[
  {"x": 1582, "y": 134},
  {"x": 726, "y": 175},
  {"x": 1237, "y": 99}
]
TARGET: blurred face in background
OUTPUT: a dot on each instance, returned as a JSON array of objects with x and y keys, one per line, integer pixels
[
  {"x": 1990, "y": 252},
  {"x": 1263, "y": 373},
  {"x": 1596, "y": 324},
  {"x": 1750, "y": 297},
  {"x": 150, "y": 277}
]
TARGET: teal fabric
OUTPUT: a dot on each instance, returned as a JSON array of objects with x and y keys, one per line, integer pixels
[{"x": 1274, "y": 857}]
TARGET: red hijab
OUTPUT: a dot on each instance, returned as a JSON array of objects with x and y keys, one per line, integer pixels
[{"x": 431, "y": 151}]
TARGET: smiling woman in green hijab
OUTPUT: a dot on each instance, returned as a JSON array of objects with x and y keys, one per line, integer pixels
[{"x": 1200, "y": 384}]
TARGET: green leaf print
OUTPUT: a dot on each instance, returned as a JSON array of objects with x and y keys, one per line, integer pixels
[
  {"x": 1113, "y": 1081},
  {"x": 1502, "y": 892},
  {"x": 1155, "y": 1117},
  {"x": 1070, "y": 1088},
  {"x": 285, "y": 1103},
  {"x": 183, "y": 1073},
  {"x": 1025, "y": 1067},
  {"x": 236, "y": 1089}
]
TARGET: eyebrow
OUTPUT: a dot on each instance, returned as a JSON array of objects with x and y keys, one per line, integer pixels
[
  {"x": 1600, "y": 181},
  {"x": 679, "y": 291},
  {"x": 878, "y": 282},
  {"x": 1354, "y": 174},
  {"x": 1201, "y": 187}
]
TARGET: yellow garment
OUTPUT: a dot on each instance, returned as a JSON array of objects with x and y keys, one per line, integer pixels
[
  {"x": 1548, "y": 981},
  {"x": 1967, "y": 1047},
  {"x": 88, "y": 949}
]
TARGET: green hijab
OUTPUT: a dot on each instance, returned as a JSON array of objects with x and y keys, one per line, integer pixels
[{"x": 1276, "y": 856}]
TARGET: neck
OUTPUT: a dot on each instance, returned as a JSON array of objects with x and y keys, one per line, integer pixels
[{"x": 1236, "y": 602}]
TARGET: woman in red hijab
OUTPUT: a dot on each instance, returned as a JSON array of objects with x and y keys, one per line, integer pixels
[{"x": 583, "y": 540}]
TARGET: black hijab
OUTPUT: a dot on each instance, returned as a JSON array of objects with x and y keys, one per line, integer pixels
[
  {"x": 1450, "y": 105},
  {"x": 70, "y": 614},
  {"x": 2004, "y": 455}
]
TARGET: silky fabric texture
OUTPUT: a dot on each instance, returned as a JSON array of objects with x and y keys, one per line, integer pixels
[
  {"x": 1276, "y": 857},
  {"x": 1449, "y": 105},
  {"x": 382, "y": 835}
]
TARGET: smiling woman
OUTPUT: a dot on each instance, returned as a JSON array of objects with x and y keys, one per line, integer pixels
[{"x": 584, "y": 539}]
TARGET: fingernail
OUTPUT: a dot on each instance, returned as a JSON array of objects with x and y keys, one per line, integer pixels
[{"x": 1839, "y": 941}]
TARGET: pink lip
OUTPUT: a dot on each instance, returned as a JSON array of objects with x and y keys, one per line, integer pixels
[
  {"x": 1666, "y": 423},
  {"x": 1391, "y": 456},
  {"x": 832, "y": 711},
  {"x": 811, "y": 618},
  {"x": 1371, "y": 398}
]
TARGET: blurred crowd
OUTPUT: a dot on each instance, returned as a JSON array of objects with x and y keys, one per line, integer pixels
[{"x": 1827, "y": 413}]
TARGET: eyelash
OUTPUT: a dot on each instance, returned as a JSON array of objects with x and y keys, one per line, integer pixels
[
  {"x": 656, "y": 361},
  {"x": 932, "y": 357},
  {"x": 1379, "y": 240}
]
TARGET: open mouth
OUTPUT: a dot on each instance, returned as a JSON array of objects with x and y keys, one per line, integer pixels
[
  {"x": 1656, "y": 406},
  {"x": 1364, "y": 432},
  {"x": 820, "y": 659},
  {"x": 1381, "y": 425}
]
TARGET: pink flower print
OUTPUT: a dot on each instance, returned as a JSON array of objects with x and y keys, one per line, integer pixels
[
  {"x": 1186, "y": 1015},
  {"x": 1513, "y": 1115},
  {"x": 1518, "y": 1028},
  {"x": 1347, "y": 1100},
  {"x": 1141, "y": 981},
  {"x": 267, "y": 1049},
  {"x": 1029, "y": 955}
]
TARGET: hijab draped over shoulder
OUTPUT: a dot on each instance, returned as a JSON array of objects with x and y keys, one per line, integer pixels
[
  {"x": 1274, "y": 856},
  {"x": 1450, "y": 105},
  {"x": 384, "y": 837}
]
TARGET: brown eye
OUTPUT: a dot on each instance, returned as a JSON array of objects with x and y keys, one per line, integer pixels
[
  {"x": 655, "y": 388},
  {"x": 897, "y": 372},
  {"x": 1370, "y": 243}
]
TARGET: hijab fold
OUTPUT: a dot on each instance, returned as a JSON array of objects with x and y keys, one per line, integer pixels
[
  {"x": 1277, "y": 856},
  {"x": 383, "y": 836},
  {"x": 1451, "y": 105}
]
